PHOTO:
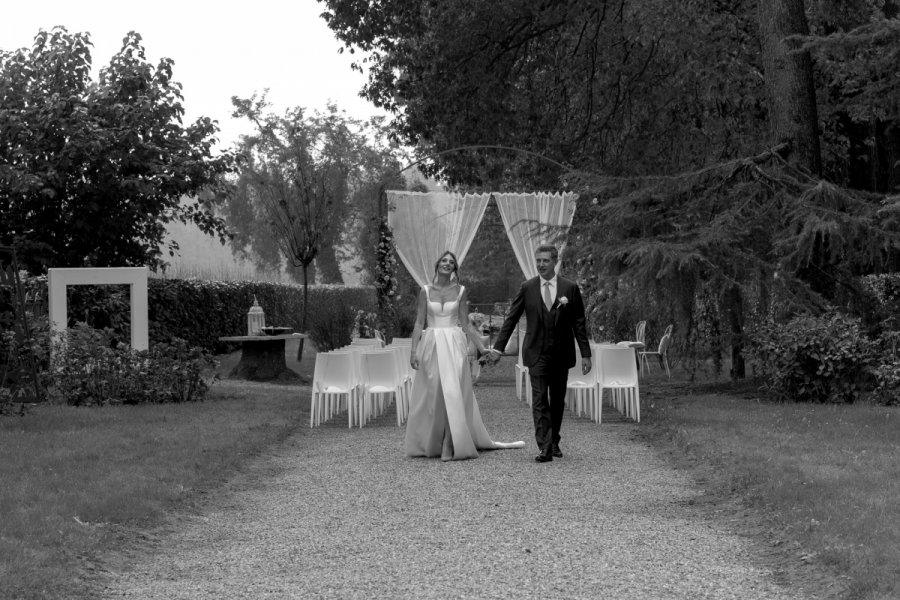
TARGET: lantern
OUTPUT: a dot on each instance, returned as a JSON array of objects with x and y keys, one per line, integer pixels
[{"x": 256, "y": 319}]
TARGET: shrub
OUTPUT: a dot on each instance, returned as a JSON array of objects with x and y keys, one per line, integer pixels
[
  {"x": 887, "y": 369},
  {"x": 813, "y": 359},
  {"x": 21, "y": 356},
  {"x": 200, "y": 312},
  {"x": 92, "y": 369},
  {"x": 331, "y": 326}
]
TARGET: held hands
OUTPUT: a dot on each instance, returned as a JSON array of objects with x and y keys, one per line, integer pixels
[
  {"x": 493, "y": 355},
  {"x": 414, "y": 362},
  {"x": 585, "y": 366}
]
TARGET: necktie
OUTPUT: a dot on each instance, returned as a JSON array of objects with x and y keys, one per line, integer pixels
[{"x": 548, "y": 301}]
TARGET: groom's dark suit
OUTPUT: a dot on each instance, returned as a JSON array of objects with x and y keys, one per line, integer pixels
[{"x": 548, "y": 350}]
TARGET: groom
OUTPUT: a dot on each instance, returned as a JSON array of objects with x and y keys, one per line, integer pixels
[{"x": 554, "y": 314}]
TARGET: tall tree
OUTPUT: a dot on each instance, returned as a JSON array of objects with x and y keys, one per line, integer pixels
[
  {"x": 793, "y": 115},
  {"x": 617, "y": 90},
  {"x": 302, "y": 182},
  {"x": 91, "y": 172},
  {"x": 856, "y": 47}
]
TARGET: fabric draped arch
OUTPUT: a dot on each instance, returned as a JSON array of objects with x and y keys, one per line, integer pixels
[
  {"x": 535, "y": 219},
  {"x": 425, "y": 224}
]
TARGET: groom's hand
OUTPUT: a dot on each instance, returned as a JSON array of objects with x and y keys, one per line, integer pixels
[
  {"x": 585, "y": 366},
  {"x": 494, "y": 355}
]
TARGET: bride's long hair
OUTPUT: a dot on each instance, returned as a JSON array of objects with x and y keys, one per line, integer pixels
[{"x": 437, "y": 264}]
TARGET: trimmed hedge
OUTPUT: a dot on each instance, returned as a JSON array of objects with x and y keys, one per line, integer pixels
[{"x": 201, "y": 311}]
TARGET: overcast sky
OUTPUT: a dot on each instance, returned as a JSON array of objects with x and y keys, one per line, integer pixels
[{"x": 220, "y": 49}]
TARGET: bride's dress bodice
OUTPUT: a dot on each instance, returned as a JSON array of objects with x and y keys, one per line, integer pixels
[{"x": 441, "y": 316}]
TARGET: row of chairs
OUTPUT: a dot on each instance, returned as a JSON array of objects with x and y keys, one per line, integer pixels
[
  {"x": 358, "y": 379},
  {"x": 613, "y": 367}
]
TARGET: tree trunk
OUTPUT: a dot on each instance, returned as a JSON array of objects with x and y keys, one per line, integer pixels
[
  {"x": 793, "y": 115},
  {"x": 734, "y": 308},
  {"x": 263, "y": 360},
  {"x": 871, "y": 162},
  {"x": 305, "y": 310}
]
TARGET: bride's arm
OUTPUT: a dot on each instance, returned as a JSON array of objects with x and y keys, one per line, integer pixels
[
  {"x": 417, "y": 329},
  {"x": 466, "y": 325}
]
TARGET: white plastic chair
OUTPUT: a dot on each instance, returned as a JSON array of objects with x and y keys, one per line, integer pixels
[
  {"x": 619, "y": 374},
  {"x": 356, "y": 353},
  {"x": 380, "y": 377},
  {"x": 334, "y": 377},
  {"x": 661, "y": 352},
  {"x": 597, "y": 348},
  {"x": 405, "y": 373},
  {"x": 638, "y": 342},
  {"x": 582, "y": 386},
  {"x": 522, "y": 378}
]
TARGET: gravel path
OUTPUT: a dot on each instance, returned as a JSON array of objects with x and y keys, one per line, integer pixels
[{"x": 338, "y": 513}]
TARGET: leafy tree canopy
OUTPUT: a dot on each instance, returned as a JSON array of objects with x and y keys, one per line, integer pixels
[
  {"x": 91, "y": 172},
  {"x": 614, "y": 87},
  {"x": 621, "y": 89},
  {"x": 312, "y": 184}
]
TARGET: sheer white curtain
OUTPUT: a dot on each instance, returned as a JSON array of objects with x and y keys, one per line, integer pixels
[
  {"x": 425, "y": 224},
  {"x": 534, "y": 219}
]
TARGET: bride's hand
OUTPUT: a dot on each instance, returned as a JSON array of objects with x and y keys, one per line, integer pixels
[{"x": 414, "y": 362}]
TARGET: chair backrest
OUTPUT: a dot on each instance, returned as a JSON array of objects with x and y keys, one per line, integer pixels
[
  {"x": 401, "y": 360},
  {"x": 367, "y": 342},
  {"x": 576, "y": 376},
  {"x": 319, "y": 368},
  {"x": 338, "y": 370},
  {"x": 355, "y": 353},
  {"x": 379, "y": 368},
  {"x": 401, "y": 341},
  {"x": 639, "y": 331},
  {"x": 596, "y": 351},
  {"x": 619, "y": 366},
  {"x": 664, "y": 343}
]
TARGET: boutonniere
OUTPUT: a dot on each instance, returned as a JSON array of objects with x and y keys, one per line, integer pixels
[{"x": 562, "y": 300}]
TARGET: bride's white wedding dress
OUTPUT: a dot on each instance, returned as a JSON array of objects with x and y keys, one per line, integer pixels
[{"x": 444, "y": 419}]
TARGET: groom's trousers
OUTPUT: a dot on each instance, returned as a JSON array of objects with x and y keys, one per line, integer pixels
[{"x": 548, "y": 401}]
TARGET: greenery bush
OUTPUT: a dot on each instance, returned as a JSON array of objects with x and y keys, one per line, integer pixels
[
  {"x": 331, "y": 326},
  {"x": 884, "y": 291},
  {"x": 200, "y": 312},
  {"x": 92, "y": 369},
  {"x": 20, "y": 351},
  {"x": 813, "y": 359},
  {"x": 887, "y": 369}
]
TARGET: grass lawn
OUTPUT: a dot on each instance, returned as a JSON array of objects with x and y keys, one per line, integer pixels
[
  {"x": 826, "y": 478},
  {"x": 74, "y": 478}
]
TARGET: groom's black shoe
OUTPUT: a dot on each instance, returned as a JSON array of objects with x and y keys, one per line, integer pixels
[
  {"x": 557, "y": 453},
  {"x": 543, "y": 457}
]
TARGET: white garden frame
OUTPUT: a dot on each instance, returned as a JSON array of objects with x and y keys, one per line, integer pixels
[{"x": 134, "y": 277}]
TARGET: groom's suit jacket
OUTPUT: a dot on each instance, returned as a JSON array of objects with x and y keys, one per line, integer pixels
[{"x": 552, "y": 333}]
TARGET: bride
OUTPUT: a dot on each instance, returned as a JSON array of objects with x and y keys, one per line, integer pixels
[{"x": 444, "y": 419}]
